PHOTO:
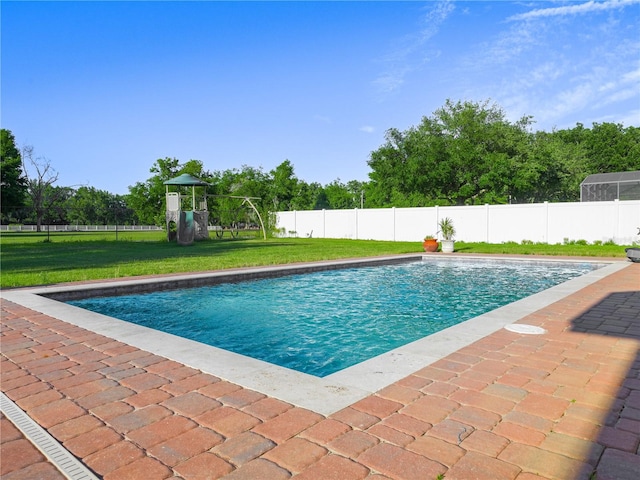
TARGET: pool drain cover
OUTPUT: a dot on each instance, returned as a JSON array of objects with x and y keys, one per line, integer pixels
[{"x": 526, "y": 329}]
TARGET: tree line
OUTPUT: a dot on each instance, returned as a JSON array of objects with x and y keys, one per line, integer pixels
[
  {"x": 464, "y": 153},
  {"x": 468, "y": 153}
]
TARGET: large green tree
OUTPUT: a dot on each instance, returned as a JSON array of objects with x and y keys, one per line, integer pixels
[
  {"x": 610, "y": 147},
  {"x": 13, "y": 184},
  {"x": 310, "y": 196},
  {"x": 564, "y": 158},
  {"x": 344, "y": 196},
  {"x": 284, "y": 186},
  {"x": 557, "y": 166},
  {"x": 465, "y": 153}
]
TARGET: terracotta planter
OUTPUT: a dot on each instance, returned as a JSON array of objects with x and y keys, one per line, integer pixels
[{"x": 430, "y": 245}]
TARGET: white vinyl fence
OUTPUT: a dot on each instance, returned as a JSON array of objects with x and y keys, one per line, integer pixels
[{"x": 617, "y": 221}]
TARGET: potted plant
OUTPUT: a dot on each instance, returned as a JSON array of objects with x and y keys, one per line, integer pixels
[
  {"x": 430, "y": 244},
  {"x": 448, "y": 232}
]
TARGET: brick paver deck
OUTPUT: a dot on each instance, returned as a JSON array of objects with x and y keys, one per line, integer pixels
[{"x": 563, "y": 405}]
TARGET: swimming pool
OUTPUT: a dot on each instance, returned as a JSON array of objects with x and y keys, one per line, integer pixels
[{"x": 323, "y": 322}]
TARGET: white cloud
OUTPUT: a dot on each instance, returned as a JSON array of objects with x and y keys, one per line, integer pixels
[
  {"x": 632, "y": 76},
  {"x": 390, "y": 81},
  {"x": 433, "y": 19},
  {"x": 619, "y": 96},
  {"x": 322, "y": 118},
  {"x": 407, "y": 57},
  {"x": 607, "y": 86},
  {"x": 563, "y": 69},
  {"x": 623, "y": 87},
  {"x": 582, "y": 8},
  {"x": 631, "y": 118},
  {"x": 590, "y": 96},
  {"x": 508, "y": 45},
  {"x": 573, "y": 99},
  {"x": 367, "y": 129},
  {"x": 525, "y": 34}
]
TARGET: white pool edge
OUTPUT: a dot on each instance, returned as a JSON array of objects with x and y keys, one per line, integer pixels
[{"x": 322, "y": 395}]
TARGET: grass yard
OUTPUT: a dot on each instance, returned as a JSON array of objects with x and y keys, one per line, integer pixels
[{"x": 29, "y": 259}]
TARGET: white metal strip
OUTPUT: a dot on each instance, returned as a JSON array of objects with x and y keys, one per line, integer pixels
[{"x": 68, "y": 465}]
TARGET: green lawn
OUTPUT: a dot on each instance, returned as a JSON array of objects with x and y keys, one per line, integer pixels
[{"x": 38, "y": 259}]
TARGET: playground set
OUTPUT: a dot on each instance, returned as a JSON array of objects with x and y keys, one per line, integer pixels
[{"x": 186, "y": 225}]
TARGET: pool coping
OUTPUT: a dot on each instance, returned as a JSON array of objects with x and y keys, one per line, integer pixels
[{"x": 322, "y": 395}]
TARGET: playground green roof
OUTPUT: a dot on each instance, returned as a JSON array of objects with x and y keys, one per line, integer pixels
[{"x": 186, "y": 179}]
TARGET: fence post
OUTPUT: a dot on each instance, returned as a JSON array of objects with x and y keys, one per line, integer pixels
[
  {"x": 356, "y": 221},
  {"x": 324, "y": 223},
  {"x": 616, "y": 225},
  {"x": 295, "y": 220},
  {"x": 487, "y": 226},
  {"x": 546, "y": 220},
  {"x": 394, "y": 223}
]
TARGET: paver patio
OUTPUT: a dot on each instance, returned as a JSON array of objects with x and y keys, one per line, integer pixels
[{"x": 563, "y": 405}]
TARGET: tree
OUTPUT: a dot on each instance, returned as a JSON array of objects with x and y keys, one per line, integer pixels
[
  {"x": 13, "y": 184},
  {"x": 389, "y": 169},
  {"x": 56, "y": 200},
  {"x": 246, "y": 182},
  {"x": 612, "y": 148},
  {"x": 39, "y": 184},
  {"x": 465, "y": 153},
  {"x": 307, "y": 196},
  {"x": 147, "y": 199},
  {"x": 322, "y": 201},
  {"x": 483, "y": 152},
  {"x": 123, "y": 215},
  {"x": 356, "y": 190},
  {"x": 341, "y": 196},
  {"x": 557, "y": 166},
  {"x": 90, "y": 206},
  {"x": 283, "y": 186}
]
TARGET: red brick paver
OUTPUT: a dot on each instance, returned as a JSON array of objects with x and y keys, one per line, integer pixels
[
  {"x": 563, "y": 405},
  {"x": 19, "y": 458}
]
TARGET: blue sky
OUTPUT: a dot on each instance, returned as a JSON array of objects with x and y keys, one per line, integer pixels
[{"x": 103, "y": 89}]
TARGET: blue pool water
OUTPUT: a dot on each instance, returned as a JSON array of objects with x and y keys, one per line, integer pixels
[{"x": 323, "y": 322}]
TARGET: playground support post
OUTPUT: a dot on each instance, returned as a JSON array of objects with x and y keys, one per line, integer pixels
[{"x": 248, "y": 200}]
